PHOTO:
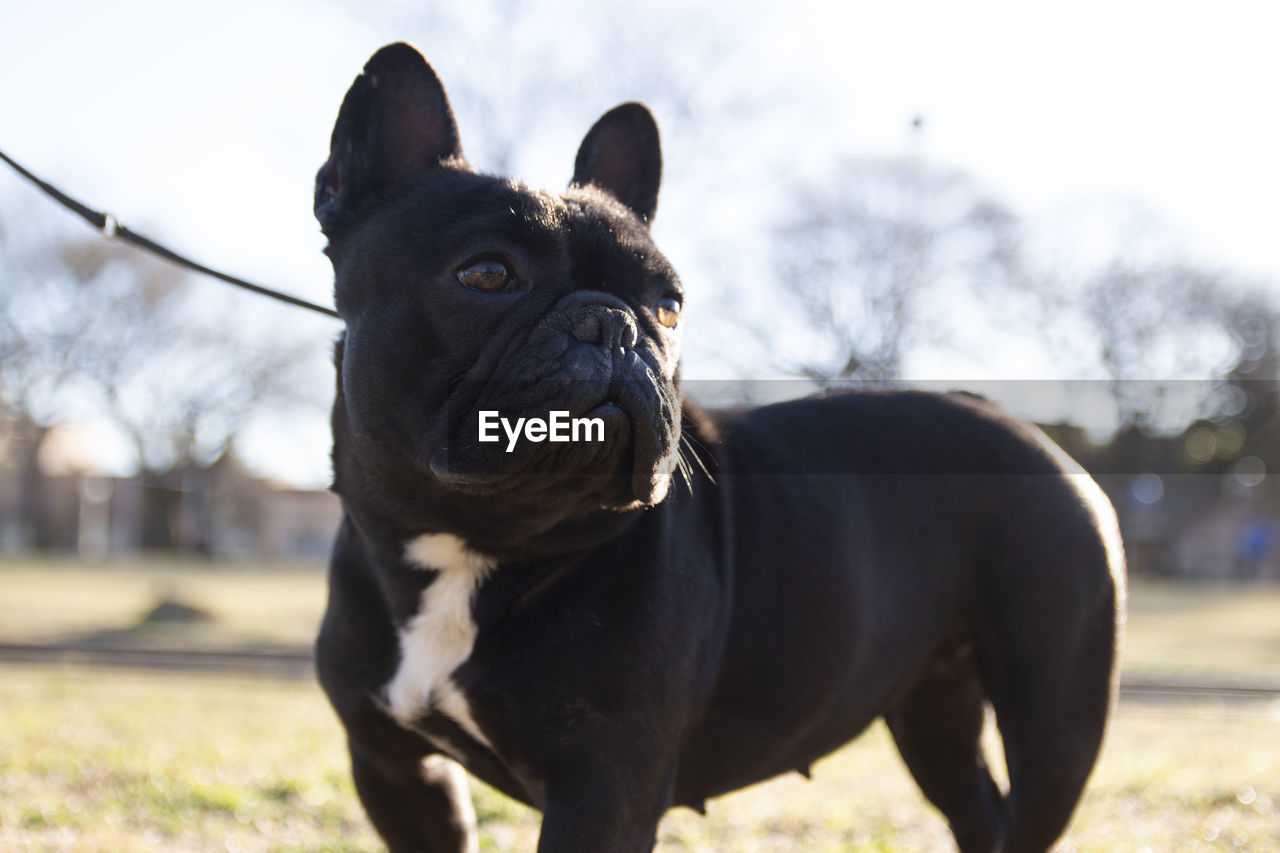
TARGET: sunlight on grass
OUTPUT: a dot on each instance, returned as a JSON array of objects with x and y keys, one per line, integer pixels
[
  {"x": 118, "y": 761},
  {"x": 1201, "y": 630},
  {"x": 1223, "y": 631},
  {"x": 114, "y": 761},
  {"x": 50, "y": 599}
]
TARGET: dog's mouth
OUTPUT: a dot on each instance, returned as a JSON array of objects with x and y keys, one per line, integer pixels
[{"x": 579, "y": 410}]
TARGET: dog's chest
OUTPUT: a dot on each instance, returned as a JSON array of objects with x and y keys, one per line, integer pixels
[{"x": 440, "y": 635}]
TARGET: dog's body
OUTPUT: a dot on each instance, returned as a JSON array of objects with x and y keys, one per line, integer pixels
[{"x": 596, "y": 641}]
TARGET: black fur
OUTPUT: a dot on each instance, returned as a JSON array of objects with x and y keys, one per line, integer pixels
[{"x": 820, "y": 564}]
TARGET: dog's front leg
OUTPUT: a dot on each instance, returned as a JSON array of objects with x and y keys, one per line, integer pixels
[
  {"x": 416, "y": 805},
  {"x": 606, "y": 808},
  {"x": 591, "y": 817}
]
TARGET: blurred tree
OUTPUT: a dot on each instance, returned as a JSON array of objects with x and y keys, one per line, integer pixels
[
  {"x": 91, "y": 329},
  {"x": 869, "y": 252},
  {"x": 20, "y": 439},
  {"x": 512, "y": 74},
  {"x": 883, "y": 257},
  {"x": 1246, "y": 420},
  {"x": 1165, "y": 334}
]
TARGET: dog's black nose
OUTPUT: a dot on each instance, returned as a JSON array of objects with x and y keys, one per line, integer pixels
[{"x": 604, "y": 325}]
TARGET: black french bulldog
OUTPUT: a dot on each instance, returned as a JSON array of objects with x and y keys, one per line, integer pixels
[{"x": 605, "y": 627}]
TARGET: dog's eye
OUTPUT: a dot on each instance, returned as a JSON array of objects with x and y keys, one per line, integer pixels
[
  {"x": 488, "y": 275},
  {"x": 668, "y": 311}
]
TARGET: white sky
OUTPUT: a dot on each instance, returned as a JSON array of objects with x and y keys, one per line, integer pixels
[{"x": 203, "y": 124}]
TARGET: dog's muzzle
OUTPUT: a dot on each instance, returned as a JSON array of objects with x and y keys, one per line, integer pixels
[{"x": 588, "y": 358}]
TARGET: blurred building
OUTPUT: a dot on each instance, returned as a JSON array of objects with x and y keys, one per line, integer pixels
[{"x": 222, "y": 512}]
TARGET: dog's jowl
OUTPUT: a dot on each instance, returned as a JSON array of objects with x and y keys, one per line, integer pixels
[{"x": 607, "y": 628}]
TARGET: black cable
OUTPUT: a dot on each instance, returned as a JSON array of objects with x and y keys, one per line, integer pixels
[{"x": 113, "y": 230}]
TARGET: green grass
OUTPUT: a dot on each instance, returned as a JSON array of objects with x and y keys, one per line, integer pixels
[
  {"x": 50, "y": 599},
  {"x": 116, "y": 761},
  {"x": 1217, "y": 631},
  {"x": 1204, "y": 629}
]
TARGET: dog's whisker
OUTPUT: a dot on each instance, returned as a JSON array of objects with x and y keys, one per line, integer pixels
[
  {"x": 682, "y": 465},
  {"x": 689, "y": 442}
]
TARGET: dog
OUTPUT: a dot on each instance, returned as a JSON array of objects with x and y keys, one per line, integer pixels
[{"x": 674, "y": 603}]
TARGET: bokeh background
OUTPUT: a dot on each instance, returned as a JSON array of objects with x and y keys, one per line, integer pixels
[{"x": 1069, "y": 209}]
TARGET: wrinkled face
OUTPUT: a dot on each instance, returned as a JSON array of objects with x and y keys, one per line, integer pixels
[
  {"x": 514, "y": 307},
  {"x": 510, "y": 354}
]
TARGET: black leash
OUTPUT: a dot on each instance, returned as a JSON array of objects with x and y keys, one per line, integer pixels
[{"x": 113, "y": 230}]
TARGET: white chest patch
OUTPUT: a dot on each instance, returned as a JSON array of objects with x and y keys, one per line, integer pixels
[{"x": 440, "y": 635}]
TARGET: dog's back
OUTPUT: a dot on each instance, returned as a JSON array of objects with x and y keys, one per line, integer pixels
[{"x": 919, "y": 554}]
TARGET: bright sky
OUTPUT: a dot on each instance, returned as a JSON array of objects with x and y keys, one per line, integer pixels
[{"x": 203, "y": 124}]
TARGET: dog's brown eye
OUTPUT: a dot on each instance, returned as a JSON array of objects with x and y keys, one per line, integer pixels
[
  {"x": 668, "y": 311},
  {"x": 490, "y": 276}
]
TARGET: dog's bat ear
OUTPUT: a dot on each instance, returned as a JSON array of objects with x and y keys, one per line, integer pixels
[
  {"x": 622, "y": 156},
  {"x": 395, "y": 124}
]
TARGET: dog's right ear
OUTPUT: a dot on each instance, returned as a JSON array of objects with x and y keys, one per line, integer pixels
[
  {"x": 622, "y": 156},
  {"x": 395, "y": 124}
]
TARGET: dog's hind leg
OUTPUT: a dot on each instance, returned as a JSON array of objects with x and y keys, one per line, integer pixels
[
  {"x": 416, "y": 805},
  {"x": 937, "y": 728},
  {"x": 1051, "y": 707},
  {"x": 1046, "y": 651}
]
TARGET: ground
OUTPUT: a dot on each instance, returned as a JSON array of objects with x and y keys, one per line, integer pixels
[{"x": 109, "y": 760}]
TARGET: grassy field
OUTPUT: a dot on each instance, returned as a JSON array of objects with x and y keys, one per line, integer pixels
[
  {"x": 49, "y": 600},
  {"x": 1222, "y": 631},
  {"x": 116, "y": 761},
  {"x": 1229, "y": 632}
]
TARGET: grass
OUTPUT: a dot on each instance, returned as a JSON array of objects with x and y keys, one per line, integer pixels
[
  {"x": 52, "y": 599},
  {"x": 116, "y": 761},
  {"x": 1230, "y": 632},
  {"x": 113, "y": 761},
  {"x": 121, "y": 761},
  {"x": 1216, "y": 631}
]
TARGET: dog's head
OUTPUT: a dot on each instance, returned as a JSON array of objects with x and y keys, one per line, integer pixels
[{"x": 473, "y": 301}]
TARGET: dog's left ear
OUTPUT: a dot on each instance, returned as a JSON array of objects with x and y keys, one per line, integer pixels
[{"x": 621, "y": 155}]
